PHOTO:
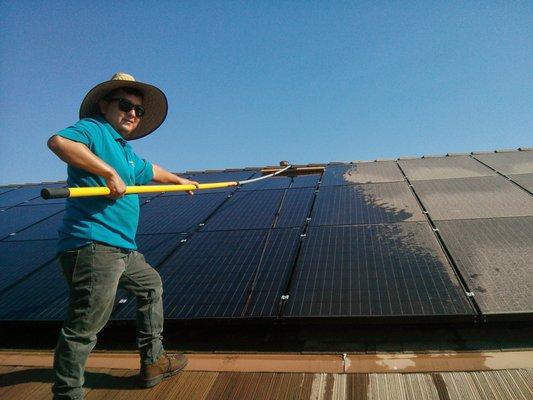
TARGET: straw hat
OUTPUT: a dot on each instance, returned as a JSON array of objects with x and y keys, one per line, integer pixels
[{"x": 154, "y": 101}]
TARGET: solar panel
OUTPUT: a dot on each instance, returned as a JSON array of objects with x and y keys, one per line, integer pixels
[
  {"x": 485, "y": 197},
  {"x": 213, "y": 177},
  {"x": 26, "y": 193},
  {"x": 375, "y": 271},
  {"x": 17, "y": 218},
  {"x": 524, "y": 180},
  {"x": 516, "y": 162},
  {"x": 257, "y": 210},
  {"x": 43, "y": 296},
  {"x": 4, "y": 189},
  {"x": 17, "y": 259},
  {"x": 495, "y": 257},
  {"x": 366, "y": 172},
  {"x": 273, "y": 273},
  {"x": 365, "y": 204},
  {"x": 444, "y": 168},
  {"x": 247, "y": 210},
  {"x": 295, "y": 207},
  {"x": 175, "y": 214},
  {"x": 45, "y": 229},
  {"x": 283, "y": 182},
  {"x": 226, "y": 274}
]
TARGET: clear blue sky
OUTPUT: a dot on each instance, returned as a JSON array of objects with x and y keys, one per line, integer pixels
[{"x": 252, "y": 83}]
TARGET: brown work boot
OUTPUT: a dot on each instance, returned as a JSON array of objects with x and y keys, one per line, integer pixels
[{"x": 167, "y": 365}]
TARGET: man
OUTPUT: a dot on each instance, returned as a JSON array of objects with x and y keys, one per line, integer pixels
[{"x": 97, "y": 249}]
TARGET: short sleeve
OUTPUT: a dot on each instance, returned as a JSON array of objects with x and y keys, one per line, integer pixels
[
  {"x": 82, "y": 131},
  {"x": 144, "y": 171}
]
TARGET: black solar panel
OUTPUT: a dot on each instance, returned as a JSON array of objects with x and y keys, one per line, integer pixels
[
  {"x": 46, "y": 229},
  {"x": 365, "y": 204},
  {"x": 283, "y": 182},
  {"x": 485, "y": 197},
  {"x": 444, "y": 168},
  {"x": 247, "y": 210},
  {"x": 495, "y": 257},
  {"x": 175, "y": 214},
  {"x": 26, "y": 193},
  {"x": 524, "y": 180},
  {"x": 17, "y": 259},
  {"x": 42, "y": 296},
  {"x": 374, "y": 271},
  {"x": 295, "y": 207},
  {"x": 366, "y": 172},
  {"x": 516, "y": 162},
  {"x": 257, "y": 210},
  {"x": 17, "y": 218},
  {"x": 226, "y": 274},
  {"x": 214, "y": 177}
]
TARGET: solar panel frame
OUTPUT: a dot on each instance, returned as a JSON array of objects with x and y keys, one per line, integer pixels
[
  {"x": 365, "y": 204},
  {"x": 375, "y": 272},
  {"x": 481, "y": 197},
  {"x": 494, "y": 257},
  {"x": 364, "y": 172},
  {"x": 507, "y": 163},
  {"x": 443, "y": 168}
]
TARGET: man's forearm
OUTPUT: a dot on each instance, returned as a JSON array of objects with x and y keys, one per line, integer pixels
[
  {"x": 161, "y": 175},
  {"x": 78, "y": 155}
]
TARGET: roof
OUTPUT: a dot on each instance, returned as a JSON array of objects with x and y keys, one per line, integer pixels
[{"x": 444, "y": 238}]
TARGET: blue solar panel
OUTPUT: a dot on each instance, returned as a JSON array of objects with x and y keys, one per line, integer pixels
[
  {"x": 46, "y": 229},
  {"x": 247, "y": 210},
  {"x": 215, "y": 177},
  {"x": 215, "y": 274},
  {"x": 43, "y": 296},
  {"x": 25, "y": 194},
  {"x": 175, "y": 214},
  {"x": 283, "y": 182},
  {"x": 15, "y": 219},
  {"x": 365, "y": 204},
  {"x": 18, "y": 259},
  {"x": 375, "y": 271},
  {"x": 295, "y": 207}
]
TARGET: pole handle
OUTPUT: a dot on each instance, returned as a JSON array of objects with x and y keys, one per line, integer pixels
[{"x": 55, "y": 193}]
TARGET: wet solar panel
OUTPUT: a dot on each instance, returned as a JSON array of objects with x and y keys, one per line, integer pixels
[
  {"x": 365, "y": 204},
  {"x": 515, "y": 162},
  {"x": 484, "y": 197},
  {"x": 18, "y": 259},
  {"x": 444, "y": 168},
  {"x": 175, "y": 214},
  {"x": 495, "y": 256},
  {"x": 524, "y": 180},
  {"x": 365, "y": 172},
  {"x": 375, "y": 271},
  {"x": 223, "y": 176},
  {"x": 15, "y": 219},
  {"x": 282, "y": 182}
]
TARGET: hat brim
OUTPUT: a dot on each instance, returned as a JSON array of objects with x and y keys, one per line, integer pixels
[{"x": 154, "y": 101}]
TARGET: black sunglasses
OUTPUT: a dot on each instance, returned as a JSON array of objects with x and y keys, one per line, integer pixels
[{"x": 126, "y": 106}]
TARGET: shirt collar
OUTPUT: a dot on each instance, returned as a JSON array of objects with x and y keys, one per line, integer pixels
[{"x": 110, "y": 129}]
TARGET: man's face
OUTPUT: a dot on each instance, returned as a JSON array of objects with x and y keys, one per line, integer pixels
[{"x": 123, "y": 122}]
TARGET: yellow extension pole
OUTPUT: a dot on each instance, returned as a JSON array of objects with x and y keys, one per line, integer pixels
[{"x": 56, "y": 193}]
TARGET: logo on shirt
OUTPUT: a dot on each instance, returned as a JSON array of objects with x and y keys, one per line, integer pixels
[{"x": 132, "y": 164}]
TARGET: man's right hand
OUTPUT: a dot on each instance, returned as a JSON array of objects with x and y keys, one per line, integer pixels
[{"x": 116, "y": 185}]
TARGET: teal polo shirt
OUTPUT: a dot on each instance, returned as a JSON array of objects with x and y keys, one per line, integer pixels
[{"x": 100, "y": 219}]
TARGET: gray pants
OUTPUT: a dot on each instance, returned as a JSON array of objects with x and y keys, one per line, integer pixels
[{"x": 93, "y": 274}]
